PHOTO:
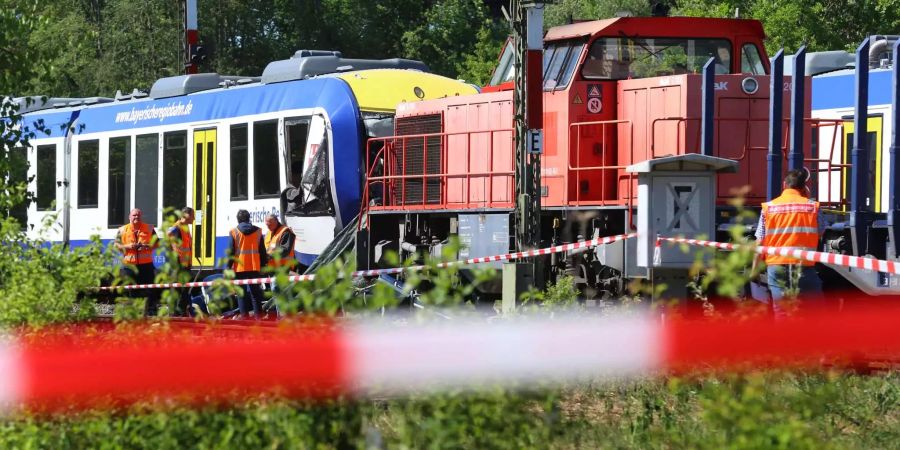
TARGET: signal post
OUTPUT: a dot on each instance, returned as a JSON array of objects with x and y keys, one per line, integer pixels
[{"x": 527, "y": 20}]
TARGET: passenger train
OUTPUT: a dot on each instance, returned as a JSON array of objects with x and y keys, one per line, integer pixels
[{"x": 219, "y": 144}]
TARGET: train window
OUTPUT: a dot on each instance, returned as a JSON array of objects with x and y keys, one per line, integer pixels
[
  {"x": 559, "y": 64},
  {"x": 18, "y": 174},
  {"x": 46, "y": 177},
  {"x": 266, "y": 182},
  {"x": 174, "y": 167},
  {"x": 146, "y": 195},
  {"x": 239, "y": 173},
  {"x": 119, "y": 188},
  {"x": 621, "y": 58},
  {"x": 750, "y": 61},
  {"x": 296, "y": 130},
  {"x": 88, "y": 173}
]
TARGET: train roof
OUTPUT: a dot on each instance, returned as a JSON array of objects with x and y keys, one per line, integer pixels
[
  {"x": 695, "y": 27},
  {"x": 376, "y": 90}
]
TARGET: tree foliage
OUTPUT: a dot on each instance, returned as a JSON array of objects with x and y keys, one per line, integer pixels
[{"x": 823, "y": 24}]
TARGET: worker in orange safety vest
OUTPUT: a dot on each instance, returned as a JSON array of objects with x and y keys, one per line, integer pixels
[
  {"x": 137, "y": 240},
  {"x": 279, "y": 242},
  {"x": 248, "y": 254},
  {"x": 791, "y": 220},
  {"x": 182, "y": 245}
]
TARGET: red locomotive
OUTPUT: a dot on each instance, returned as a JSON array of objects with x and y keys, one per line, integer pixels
[{"x": 616, "y": 92}]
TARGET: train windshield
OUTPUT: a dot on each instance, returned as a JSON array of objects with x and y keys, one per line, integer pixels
[{"x": 621, "y": 58}]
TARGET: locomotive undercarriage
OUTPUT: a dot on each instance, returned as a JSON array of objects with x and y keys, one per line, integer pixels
[{"x": 599, "y": 273}]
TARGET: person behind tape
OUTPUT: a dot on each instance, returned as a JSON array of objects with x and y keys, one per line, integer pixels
[
  {"x": 137, "y": 240},
  {"x": 182, "y": 245},
  {"x": 791, "y": 220},
  {"x": 249, "y": 256},
  {"x": 279, "y": 243}
]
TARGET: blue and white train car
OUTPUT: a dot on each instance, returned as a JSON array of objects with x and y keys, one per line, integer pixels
[
  {"x": 832, "y": 99},
  {"x": 220, "y": 144}
]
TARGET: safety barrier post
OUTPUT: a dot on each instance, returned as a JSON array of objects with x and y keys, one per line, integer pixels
[
  {"x": 893, "y": 217},
  {"x": 860, "y": 211},
  {"x": 708, "y": 107},
  {"x": 776, "y": 92},
  {"x": 798, "y": 99}
]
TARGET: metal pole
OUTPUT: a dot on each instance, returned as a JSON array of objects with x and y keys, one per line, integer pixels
[
  {"x": 776, "y": 94},
  {"x": 798, "y": 102},
  {"x": 894, "y": 200},
  {"x": 708, "y": 107},
  {"x": 527, "y": 18},
  {"x": 191, "y": 35},
  {"x": 860, "y": 219}
]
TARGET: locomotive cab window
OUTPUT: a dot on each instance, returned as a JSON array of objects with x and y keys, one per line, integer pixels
[
  {"x": 506, "y": 69},
  {"x": 750, "y": 61},
  {"x": 620, "y": 58},
  {"x": 46, "y": 177},
  {"x": 560, "y": 60},
  {"x": 88, "y": 173}
]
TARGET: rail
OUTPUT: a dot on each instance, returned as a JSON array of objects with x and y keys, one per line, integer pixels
[
  {"x": 576, "y": 128},
  {"x": 745, "y": 151},
  {"x": 813, "y": 164},
  {"x": 397, "y": 176}
]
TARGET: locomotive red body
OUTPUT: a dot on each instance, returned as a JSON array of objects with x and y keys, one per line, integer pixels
[{"x": 616, "y": 92}]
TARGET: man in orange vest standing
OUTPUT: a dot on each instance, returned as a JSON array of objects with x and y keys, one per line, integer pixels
[
  {"x": 279, "y": 243},
  {"x": 137, "y": 240},
  {"x": 791, "y": 220},
  {"x": 249, "y": 256},
  {"x": 182, "y": 245}
]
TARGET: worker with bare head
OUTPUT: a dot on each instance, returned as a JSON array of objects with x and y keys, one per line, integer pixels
[
  {"x": 791, "y": 220},
  {"x": 279, "y": 243},
  {"x": 137, "y": 240}
]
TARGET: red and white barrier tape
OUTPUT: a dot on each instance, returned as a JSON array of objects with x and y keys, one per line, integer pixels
[
  {"x": 395, "y": 270},
  {"x": 856, "y": 262},
  {"x": 357, "y": 358}
]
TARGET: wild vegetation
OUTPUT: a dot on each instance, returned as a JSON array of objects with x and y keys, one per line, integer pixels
[{"x": 73, "y": 47}]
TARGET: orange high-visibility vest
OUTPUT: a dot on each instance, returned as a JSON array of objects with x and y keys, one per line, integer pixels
[
  {"x": 791, "y": 220},
  {"x": 143, "y": 234},
  {"x": 185, "y": 247},
  {"x": 246, "y": 250},
  {"x": 272, "y": 239}
]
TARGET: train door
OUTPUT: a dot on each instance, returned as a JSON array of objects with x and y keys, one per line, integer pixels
[
  {"x": 204, "y": 197},
  {"x": 873, "y": 128}
]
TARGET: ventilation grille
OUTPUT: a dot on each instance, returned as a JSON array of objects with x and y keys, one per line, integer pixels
[{"x": 418, "y": 156}]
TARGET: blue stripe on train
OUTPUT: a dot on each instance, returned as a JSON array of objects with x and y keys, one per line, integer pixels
[{"x": 838, "y": 91}]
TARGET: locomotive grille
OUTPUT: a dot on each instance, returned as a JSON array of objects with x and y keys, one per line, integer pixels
[{"x": 421, "y": 156}]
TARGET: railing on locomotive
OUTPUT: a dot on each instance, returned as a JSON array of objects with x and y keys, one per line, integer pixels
[
  {"x": 389, "y": 180},
  {"x": 831, "y": 168},
  {"x": 576, "y": 127}
]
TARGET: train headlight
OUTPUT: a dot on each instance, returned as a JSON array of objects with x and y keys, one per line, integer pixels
[{"x": 749, "y": 86}]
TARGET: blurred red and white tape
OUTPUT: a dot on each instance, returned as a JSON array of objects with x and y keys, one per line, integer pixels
[{"x": 74, "y": 369}]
